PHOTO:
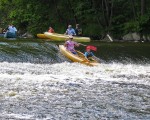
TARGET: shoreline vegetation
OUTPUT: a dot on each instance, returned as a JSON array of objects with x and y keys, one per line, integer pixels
[{"x": 122, "y": 20}]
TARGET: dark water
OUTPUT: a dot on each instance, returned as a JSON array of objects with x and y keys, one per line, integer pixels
[
  {"x": 41, "y": 51},
  {"x": 29, "y": 51}
]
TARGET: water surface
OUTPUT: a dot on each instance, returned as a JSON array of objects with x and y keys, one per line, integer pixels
[{"x": 38, "y": 83}]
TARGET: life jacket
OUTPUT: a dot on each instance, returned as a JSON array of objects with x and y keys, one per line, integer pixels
[{"x": 70, "y": 45}]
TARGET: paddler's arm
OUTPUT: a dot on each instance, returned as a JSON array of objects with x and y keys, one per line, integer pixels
[
  {"x": 76, "y": 44},
  {"x": 65, "y": 44}
]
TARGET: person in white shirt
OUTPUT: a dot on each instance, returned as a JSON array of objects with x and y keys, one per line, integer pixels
[{"x": 11, "y": 32}]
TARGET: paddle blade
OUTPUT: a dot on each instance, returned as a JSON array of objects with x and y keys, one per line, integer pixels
[{"x": 91, "y": 47}]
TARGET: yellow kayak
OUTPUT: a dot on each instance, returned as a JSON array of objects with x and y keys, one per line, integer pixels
[
  {"x": 80, "y": 58},
  {"x": 62, "y": 37},
  {"x": 42, "y": 36}
]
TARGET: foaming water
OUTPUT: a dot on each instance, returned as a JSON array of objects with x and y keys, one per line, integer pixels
[{"x": 74, "y": 91}]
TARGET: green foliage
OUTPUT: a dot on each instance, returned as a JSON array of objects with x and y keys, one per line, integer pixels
[
  {"x": 132, "y": 26},
  {"x": 144, "y": 23},
  {"x": 141, "y": 25},
  {"x": 93, "y": 16}
]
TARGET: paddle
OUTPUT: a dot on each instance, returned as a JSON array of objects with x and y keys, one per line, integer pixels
[
  {"x": 82, "y": 44},
  {"x": 96, "y": 58}
]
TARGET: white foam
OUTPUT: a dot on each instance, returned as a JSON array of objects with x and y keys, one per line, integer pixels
[
  {"x": 109, "y": 72},
  {"x": 17, "y": 116},
  {"x": 35, "y": 85}
]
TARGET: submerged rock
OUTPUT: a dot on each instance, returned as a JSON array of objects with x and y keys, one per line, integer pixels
[
  {"x": 27, "y": 35},
  {"x": 135, "y": 37},
  {"x": 131, "y": 36}
]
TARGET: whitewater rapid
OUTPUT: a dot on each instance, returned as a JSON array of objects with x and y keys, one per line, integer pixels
[{"x": 67, "y": 91}]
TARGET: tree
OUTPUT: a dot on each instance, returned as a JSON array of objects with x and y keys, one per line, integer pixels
[{"x": 97, "y": 17}]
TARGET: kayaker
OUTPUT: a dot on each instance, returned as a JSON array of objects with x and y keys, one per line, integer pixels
[
  {"x": 78, "y": 30},
  {"x": 88, "y": 53},
  {"x": 70, "y": 45},
  {"x": 70, "y": 31},
  {"x": 51, "y": 30}
]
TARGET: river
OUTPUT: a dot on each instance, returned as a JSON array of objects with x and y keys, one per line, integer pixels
[{"x": 38, "y": 83}]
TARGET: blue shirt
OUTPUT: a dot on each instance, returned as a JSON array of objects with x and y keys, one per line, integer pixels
[
  {"x": 88, "y": 54},
  {"x": 12, "y": 29},
  {"x": 70, "y": 31}
]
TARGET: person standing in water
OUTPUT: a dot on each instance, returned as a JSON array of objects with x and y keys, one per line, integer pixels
[
  {"x": 78, "y": 30},
  {"x": 70, "y": 31}
]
